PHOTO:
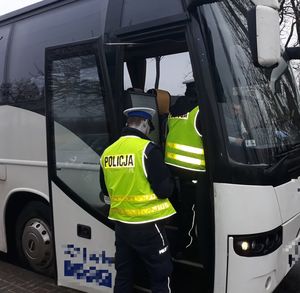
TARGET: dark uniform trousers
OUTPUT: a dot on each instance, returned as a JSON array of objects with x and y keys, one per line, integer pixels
[{"x": 149, "y": 242}]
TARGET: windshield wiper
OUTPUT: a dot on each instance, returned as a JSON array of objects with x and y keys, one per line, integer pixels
[
  {"x": 296, "y": 145},
  {"x": 288, "y": 165},
  {"x": 290, "y": 149}
]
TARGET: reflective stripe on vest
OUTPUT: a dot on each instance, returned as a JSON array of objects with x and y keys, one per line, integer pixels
[
  {"x": 132, "y": 199},
  {"x": 184, "y": 148}
]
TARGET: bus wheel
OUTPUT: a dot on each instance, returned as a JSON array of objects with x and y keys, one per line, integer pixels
[{"x": 34, "y": 240}]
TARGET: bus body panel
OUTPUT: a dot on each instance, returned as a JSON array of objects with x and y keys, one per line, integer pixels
[
  {"x": 249, "y": 218},
  {"x": 235, "y": 210},
  {"x": 263, "y": 274},
  {"x": 253, "y": 274},
  {"x": 82, "y": 264},
  {"x": 27, "y": 142},
  {"x": 236, "y": 207},
  {"x": 288, "y": 195},
  {"x": 290, "y": 244},
  {"x": 23, "y": 157}
]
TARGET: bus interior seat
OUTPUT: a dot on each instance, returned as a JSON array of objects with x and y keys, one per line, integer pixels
[{"x": 163, "y": 100}]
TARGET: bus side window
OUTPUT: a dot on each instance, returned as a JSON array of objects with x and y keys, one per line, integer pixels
[{"x": 4, "y": 37}]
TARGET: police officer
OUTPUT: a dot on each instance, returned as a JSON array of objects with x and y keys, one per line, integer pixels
[
  {"x": 185, "y": 155},
  {"x": 138, "y": 182}
]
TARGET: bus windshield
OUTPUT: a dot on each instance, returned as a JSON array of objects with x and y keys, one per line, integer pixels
[{"x": 260, "y": 119}]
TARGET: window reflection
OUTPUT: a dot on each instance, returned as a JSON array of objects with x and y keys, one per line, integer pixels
[
  {"x": 25, "y": 93},
  {"x": 268, "y": 121},
  {"x": 78, "y": 100},
  {"x": 80, "y": 126}
]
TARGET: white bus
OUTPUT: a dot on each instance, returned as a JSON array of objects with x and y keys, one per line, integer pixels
[{"x": 69, "y": 68}]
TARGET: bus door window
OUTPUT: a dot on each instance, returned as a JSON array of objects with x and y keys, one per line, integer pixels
[{"x": 80, "y": 123}]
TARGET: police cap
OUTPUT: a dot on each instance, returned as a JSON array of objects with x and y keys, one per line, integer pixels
[{"x": 142, "y": 112}]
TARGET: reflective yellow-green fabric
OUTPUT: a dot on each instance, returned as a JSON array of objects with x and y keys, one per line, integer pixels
[
  {"x": 184, "y": 147},
  {"x": 132, "y": 199}
]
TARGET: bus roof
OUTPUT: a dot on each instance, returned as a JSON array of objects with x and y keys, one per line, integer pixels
[{"x": 33, "y": 9}]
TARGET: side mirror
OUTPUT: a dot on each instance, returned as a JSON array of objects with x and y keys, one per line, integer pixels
[
  {"x": 264, "y": 35},
  {"x": 270, "y": 3}
]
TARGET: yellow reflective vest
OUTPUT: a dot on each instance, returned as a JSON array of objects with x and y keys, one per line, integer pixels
[
  {"x": 132, "y": 199},
  {"x": 184, "y": 147}
]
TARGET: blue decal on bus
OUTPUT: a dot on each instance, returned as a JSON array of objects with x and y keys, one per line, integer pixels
[
  {"x": 293, "y": 251},
  {"x": 88, "y": 267}
]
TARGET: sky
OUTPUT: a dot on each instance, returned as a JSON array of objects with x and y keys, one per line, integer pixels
[{"x": 11, "y": 5}]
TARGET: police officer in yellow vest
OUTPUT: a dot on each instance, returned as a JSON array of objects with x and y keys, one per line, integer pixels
[
  {"x": 138, "y": 182},
  {"x": 185, "y": 155}
]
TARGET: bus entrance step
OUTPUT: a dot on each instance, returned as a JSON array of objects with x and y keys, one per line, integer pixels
[{"x": 187, "y": 262}]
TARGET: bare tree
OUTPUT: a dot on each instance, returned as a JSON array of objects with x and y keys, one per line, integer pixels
[
  {"x": 290, "y": 22},
  {"x": 290, "y": 27}
]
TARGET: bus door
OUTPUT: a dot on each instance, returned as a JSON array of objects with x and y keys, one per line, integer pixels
[
  {"x": 167, "y": 67},
  {"x": 80, "y": 125}
]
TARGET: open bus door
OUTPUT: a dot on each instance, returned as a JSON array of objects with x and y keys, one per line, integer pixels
[
  {"x": 82, "y": 120},
  {"x": 161, "y": 61},
  {"x": 80, "y": 125}
]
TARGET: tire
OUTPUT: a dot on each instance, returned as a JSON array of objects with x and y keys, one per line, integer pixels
[{"x": 34, "y": 238}]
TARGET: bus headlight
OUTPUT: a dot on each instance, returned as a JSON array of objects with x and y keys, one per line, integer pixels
[
  {"x": 257, "y": 244},
  {"x": 245, "y": 245}
]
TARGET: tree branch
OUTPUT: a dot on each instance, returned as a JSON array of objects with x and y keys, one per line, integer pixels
[{"x": 290, "y": 35}]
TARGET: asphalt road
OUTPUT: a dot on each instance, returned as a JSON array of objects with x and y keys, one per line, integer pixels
[
  {"x": 14, "y": 279},
  {"x": 291, "y": 283}
]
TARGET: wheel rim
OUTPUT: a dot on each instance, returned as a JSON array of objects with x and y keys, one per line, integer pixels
[{"x": 37, "y": 244}]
